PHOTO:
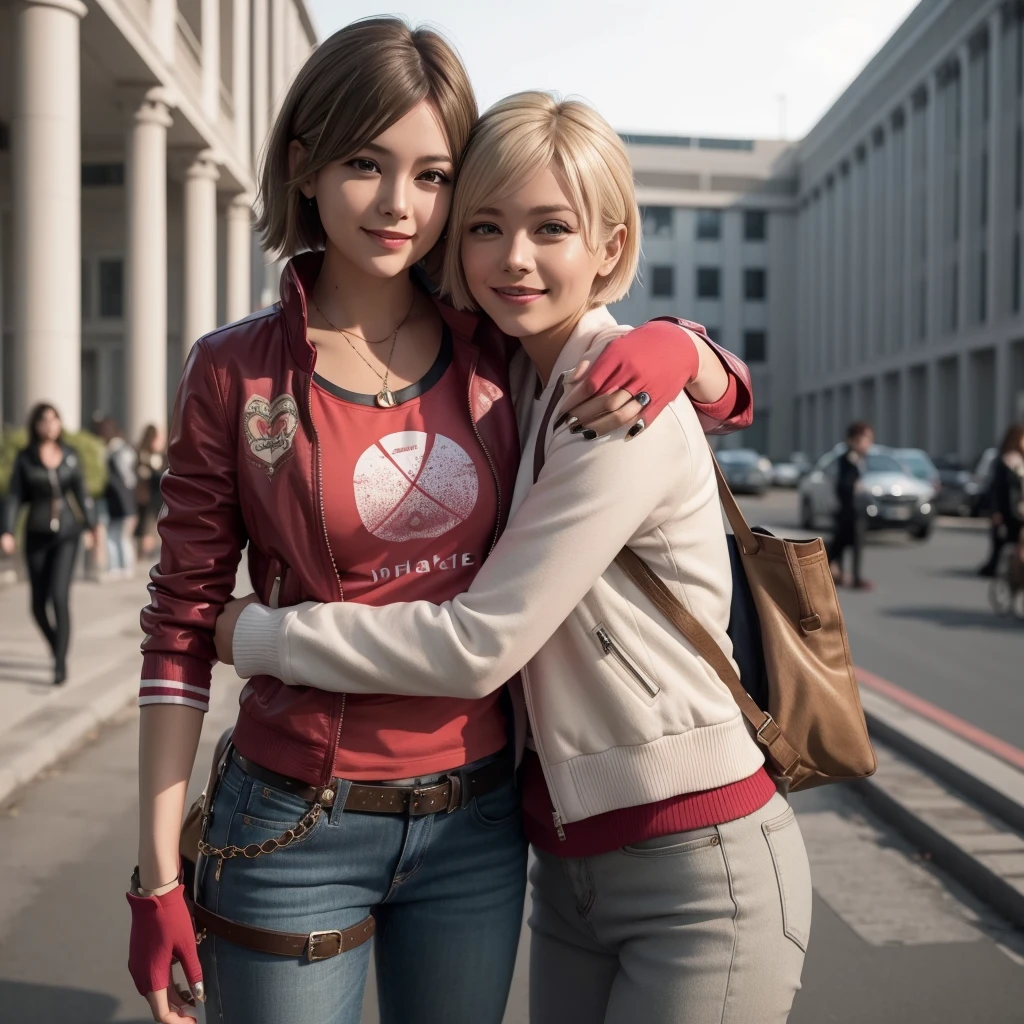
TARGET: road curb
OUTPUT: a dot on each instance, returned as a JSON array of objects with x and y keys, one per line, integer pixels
[
  {"x": 946, "y": 851},
  {"x": 60, "y": 727},
  {"x": 962, "y": 806}
]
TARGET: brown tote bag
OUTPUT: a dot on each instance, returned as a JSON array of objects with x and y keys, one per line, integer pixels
[{"x": 813, "y": 729}]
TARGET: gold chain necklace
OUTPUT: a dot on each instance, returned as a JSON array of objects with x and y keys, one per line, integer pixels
[{"x": 385, "y": 397}]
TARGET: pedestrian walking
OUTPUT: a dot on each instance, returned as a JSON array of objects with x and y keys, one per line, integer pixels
[
  {"x": 851, "y": 506},
  {"x": 47, "y": 476},
  {"x": 120, "y": 499},
  {"x": 1007, "y": 496},
  {"x": 670, "y": 879},
  {"x": 151, "y": 468},
  {"x": 360, "y": 436}
]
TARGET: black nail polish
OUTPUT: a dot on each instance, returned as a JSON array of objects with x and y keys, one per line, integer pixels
[
  {"x": 589, "y": 435},
  {"x": 634, "y": 430},
  {"x": 576, "y": 429}
]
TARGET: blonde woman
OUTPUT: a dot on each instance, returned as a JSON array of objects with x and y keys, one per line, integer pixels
[{"x": 671, "y": 880}]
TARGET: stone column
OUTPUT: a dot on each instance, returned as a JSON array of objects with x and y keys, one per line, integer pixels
[
  {"x": 240, "y": 62},
  {"x": 200, "y": 278},
  {"x": 933, "y": 218},
  {"x": 966, "y": 218},
  {"x": 996, "y": 256},
  {"x": 260, "y": 82},
  {"x": 965, "y": 405},
  {"x": 210, "y": 32},
  {"x": 146, "y": 265},
  {"x": 907, "y": 283},
  {"x": 278, "y": 73},
  {"x": 163, "y": 26},
  {"x": 238, "y": 258},
  {"x": 856, "y": 280},
  {"x": 46, "y": 201},
  {"x": 872, "y": 305},
  {"x": 892, "y": 282}
]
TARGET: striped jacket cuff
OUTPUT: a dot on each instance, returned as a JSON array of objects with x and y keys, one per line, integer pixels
[{"x": 175, "y": 679}]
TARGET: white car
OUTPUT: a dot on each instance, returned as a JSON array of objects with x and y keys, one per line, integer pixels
[{"x": 892, "y": 498}]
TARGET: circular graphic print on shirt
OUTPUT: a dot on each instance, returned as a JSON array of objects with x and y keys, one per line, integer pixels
[{"x": 413, "y": 484}]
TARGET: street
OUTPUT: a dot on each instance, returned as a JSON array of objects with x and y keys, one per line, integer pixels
[{"x": 893, "y": 940}]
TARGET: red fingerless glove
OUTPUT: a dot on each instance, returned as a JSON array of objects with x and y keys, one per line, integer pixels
[
  {"x": 657, "y": 358},
  {"x": 162, "y": 932}
]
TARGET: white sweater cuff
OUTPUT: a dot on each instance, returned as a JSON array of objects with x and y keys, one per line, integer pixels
[{"x": 255, "y": 643}]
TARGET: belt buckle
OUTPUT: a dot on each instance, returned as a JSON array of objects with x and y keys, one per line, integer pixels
[
  {"x": 454, "y": 793},
  {"x": 313, "y": 943}
]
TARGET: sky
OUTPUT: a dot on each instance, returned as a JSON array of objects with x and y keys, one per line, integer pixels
[{"x": 739, "y": 68}]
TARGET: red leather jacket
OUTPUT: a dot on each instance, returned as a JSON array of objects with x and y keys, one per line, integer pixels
[{"x": 245, "y": 469}]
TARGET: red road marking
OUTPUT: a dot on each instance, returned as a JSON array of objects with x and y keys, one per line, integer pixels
[{"x": 999, "y": 748}]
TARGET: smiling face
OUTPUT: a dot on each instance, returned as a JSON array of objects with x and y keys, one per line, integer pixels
[
  {"x": 527, "y": 261},
  {"x": 384, "y": 208}
]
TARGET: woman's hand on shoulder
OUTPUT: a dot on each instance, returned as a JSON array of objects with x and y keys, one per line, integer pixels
[
  {"x": 602, "y": 414},
  {"x": 224, "y": 631}
]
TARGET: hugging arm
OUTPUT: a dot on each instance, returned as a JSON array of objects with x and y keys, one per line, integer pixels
[{"x": 588, "y": 501}]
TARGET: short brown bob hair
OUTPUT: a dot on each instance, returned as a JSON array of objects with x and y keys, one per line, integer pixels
[{"x": 355, "y": 85}]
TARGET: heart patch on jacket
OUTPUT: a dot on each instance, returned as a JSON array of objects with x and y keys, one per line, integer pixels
[{"x": 270, "y": 428}]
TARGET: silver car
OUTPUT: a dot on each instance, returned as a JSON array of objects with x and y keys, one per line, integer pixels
[
  {"x": 892, "y": 498},
  {"x": 746, "y": 471}
]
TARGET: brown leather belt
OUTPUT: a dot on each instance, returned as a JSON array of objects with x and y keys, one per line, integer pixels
[
  {"x": 312, "y": 945},
  {"x": 449, "y": 794}
]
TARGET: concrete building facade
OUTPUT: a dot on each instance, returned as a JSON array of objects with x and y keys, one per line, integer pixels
[
  {"x": 893, "y": 251},
  {"x": 719, "y": 232},
  {"x": 130, "y": 131},
  {"x": 909, "y": 238}
]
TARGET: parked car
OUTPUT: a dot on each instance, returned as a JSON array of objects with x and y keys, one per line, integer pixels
[
  {"x": 981, "y": 480},
  {"x": 792, "y": 471},
  {"x": 919, "y": 464},
  {"x": 746, "y": 471},
  {"x": 959, "y": 491},
  {"x": 893, "y": 498}
]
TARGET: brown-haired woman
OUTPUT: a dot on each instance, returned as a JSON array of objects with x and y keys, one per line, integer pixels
[
  {"x": 151, "y": 467},
  {"x": 47, "y": 476},
  {"x": 1007, "y": 492},
  {"x": 360, "y": 438}
]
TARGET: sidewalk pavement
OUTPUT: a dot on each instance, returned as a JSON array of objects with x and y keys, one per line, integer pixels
[{"x": 41, "y": 723}]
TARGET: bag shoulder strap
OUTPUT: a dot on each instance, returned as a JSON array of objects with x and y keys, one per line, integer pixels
[{"x": 768, "y": 733}]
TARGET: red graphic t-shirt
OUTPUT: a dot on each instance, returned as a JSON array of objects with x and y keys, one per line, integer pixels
[{"x": 410, "y": 505}]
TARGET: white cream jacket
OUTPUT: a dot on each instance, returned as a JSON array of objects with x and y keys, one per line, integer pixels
[{"x": 623, "y": 710}]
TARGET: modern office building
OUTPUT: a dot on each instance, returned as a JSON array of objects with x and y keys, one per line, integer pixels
[
  {"x": 129, "y": 136},
  {"x": 909, "y": 248},
  {"x": 891, "y": 271},
  {"x": 719, "y": 233}
]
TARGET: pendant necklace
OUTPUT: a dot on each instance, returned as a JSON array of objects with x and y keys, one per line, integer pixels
[{"x": 385, "y": 397}]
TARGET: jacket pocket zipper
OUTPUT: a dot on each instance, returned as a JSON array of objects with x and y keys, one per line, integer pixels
[{"x": 609, "y": 646}]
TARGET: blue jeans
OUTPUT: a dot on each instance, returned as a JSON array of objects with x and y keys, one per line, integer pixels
[{"x": 446, "y": 890}]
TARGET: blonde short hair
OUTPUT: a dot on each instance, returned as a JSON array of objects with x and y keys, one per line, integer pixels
[{"x": 525, "y": 133}]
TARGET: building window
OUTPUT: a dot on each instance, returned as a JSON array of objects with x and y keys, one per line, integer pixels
[
  {"x": 657, "y": 221},
  {"x": 709, "y": 282},
  {"x": 982, "y": 286},
  {"x": 1015, "y": 283},
  {"x": 755, "y": 346},
  {"x": 102, "y": 175},
  {"x": 755, "y": 284},
  {"x": 111, "y": 287},
  {"x": 755, "y": 225},
  {"x": 709, "y": 224},
  {"x": 86, "y": 286},
  {"x": 663, "y": 282}
]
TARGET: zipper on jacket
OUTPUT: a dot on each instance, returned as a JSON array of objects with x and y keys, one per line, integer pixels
[
  {"x": 334, "y": 564},
  {"x": 556, "y": 815},
  {"x": 487, "y": 454},
  {"x": 558, "y": 826},
  {"x": 609, "y": 646}
]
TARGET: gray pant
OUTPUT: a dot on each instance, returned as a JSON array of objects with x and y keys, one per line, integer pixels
[{"x": 693, "y": 928}]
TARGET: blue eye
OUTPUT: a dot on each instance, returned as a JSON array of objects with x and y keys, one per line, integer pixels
[
  {"x": 484, "y": 229},
  {"x": 554, "y": 228}
]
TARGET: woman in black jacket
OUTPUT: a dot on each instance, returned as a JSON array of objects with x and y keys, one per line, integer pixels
[
  {"x": 1007, "y": 499},
  {"x": 47, "y": 476}
]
